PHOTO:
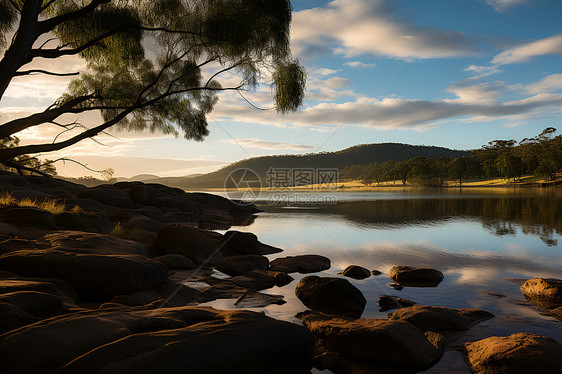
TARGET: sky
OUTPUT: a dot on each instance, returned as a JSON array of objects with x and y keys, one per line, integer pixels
[{"x": 451, "y": 73}]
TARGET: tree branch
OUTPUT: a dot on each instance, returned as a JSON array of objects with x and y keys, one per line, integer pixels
[
  {"x": 51, "y": 23},
  {"x": 40, "y": 71}
]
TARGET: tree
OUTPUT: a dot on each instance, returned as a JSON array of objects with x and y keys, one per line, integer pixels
[
  {"x": 509, "y": 166},
  {"x": 458, "y": 168},
  {"x": 145, "y": 62}
]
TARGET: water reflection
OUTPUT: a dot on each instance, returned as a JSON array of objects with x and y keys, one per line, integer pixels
[{"x": 484, "y": 242}]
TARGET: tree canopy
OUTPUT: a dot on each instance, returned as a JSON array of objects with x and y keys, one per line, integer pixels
[{"x": 151, "y": 64}]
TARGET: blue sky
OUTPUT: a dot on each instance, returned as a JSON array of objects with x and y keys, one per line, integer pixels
[{"x": 449, "y": 73}]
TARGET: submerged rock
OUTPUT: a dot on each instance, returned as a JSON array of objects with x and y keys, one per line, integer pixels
[
  {"x": 415, "y": 277},
  {"x": 331, "y": 295},
  {"x": 436, "y": 318},
  {"x": 519, "y": 353},
  {"x": 356, "y": 272},
  {"x": 387, "y": 302},
  {"x": 374, "y": 340},
  {"x": 303, "y": 264}
]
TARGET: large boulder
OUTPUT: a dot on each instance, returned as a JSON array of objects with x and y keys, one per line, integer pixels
[
  {"x": 108, "y": 195},
  {"x": 189, "y": 241},
  {"x": 166, "y": 340},
  {"x": 92, "y": 275},
  {"x": 240, "y": 265},
  {"x": 544, "y": 291},
  {"x": 374, "y": 340},
  {"x": 303, "y": 264},
  {"x": 519, "y": 353},
  {"x": 356, "y": 272},
  {"x": 29, "y": 216},
  {"x": 415, "y": 277},
  {"x": 436, "y": 318},
  {"x": 168, "y": 294},
  {"x": 175, "y": 262},
  {"x": 84, "y": 221},
  {"x": 331, "y": 295}
]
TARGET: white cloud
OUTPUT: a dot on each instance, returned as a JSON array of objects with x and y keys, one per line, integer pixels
[
  {"x": 359, "y": 65},
  {"x": 483, "y": 71},
  {"x": 551, "y": 83},
  {"x": 355, "y": 27},
  {"x": 324, "y": 71},
  {"x": 527, "y": 51},
  {"x": 473, "y": 91},
  {"x": 503, "y": 5},
  {"x": 269, "y": 145}
]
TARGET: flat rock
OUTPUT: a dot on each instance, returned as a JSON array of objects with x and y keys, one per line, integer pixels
[
  {"x": 256, "y": 280},
  {"x": 388, "y": 302},
  {"x": 169, "y": 295},
  {"x": 356, "y": 272},
  {"x": 107, "y": 195},
  {"x": 156, "y": 341},
  {"x": 519, "y": 353},
  {"x": 415, "y": 277},
  {"x": 435, "y": 318},
  {"x": 240, "y": 265},
  {"x": 29, "y": 216},
  {"x": 331, "y": 295},
  {"x": 92, "y": 276},
  {"x": 303, "y": 264},
  {"x": 374, "y": 340}
]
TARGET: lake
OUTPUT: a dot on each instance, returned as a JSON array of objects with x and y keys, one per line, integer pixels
[{"x": 485, "y": 241}]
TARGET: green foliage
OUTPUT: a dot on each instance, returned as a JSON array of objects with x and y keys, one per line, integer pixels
[
  {"x": 145, "y": 60},
  {"x": 26, "y": 161}
]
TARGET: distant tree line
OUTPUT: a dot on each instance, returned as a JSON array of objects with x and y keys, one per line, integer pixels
[{"x": 540, "y": 156}]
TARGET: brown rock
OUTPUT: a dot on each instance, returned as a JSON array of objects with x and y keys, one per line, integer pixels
[
  {"x": 331, "y": 295},
  {"x": 167, "y": 340},
  {"x": 240, "y": 265},
  {"x": 435, "y": 318},
  {"x": 415, "y": 277},
  {"x": 545, "y": 291},
  {"x": 374, "y": 340},
  {"x": 356, "y": 272},
  {"x": 196, "y": 244},
  {"x": 28, "y": 216},
  {"x": 519, "y": 353},
  {"x": 175, "y": 262},
  {"x": 256, "y": 280},
  {"x": 303, "y": 264},
  {"x": 92, "y": 276},
  {"x": 387, "y": 302},
  {"x": 107, "y": 195}
]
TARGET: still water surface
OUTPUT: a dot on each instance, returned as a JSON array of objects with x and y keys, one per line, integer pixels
[{"x": 484, "y": 241}]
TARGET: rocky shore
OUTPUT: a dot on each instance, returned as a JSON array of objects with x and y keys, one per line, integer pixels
[{"x": 111, "y": 279}]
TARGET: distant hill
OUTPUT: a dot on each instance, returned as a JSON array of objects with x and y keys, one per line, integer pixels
[
  {"x": 139, "y": 178},
  {"x": 360, "y": 154}
]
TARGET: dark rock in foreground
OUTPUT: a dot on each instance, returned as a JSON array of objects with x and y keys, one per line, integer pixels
[
  {"x": 92, "y": 275},
  {"x": 519, "y": 353},
  {"x": 436, "y": 318},
  {"x": 356, "y": 272},
  {"x": 256, "y": 280},
  {"x": 303, "y": 264},
  {"x": 169, "y": 340},
  {"x": 415, "y": 277},
  {"x": 375, "y": 340},
  {"x": 331, "y": 295}
]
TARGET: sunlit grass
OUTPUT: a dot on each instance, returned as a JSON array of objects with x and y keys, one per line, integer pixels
[
  {"x": 135, "y": 234},
  {"x": 50, "y": 205}
]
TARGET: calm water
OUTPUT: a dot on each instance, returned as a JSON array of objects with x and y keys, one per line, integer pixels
[{"x": 482, "y": 240}]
